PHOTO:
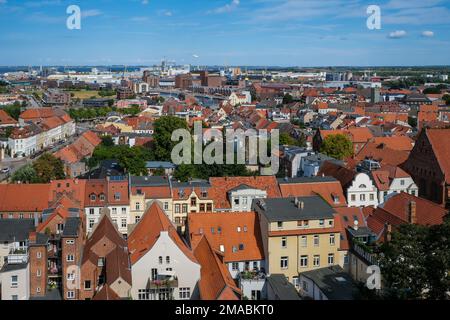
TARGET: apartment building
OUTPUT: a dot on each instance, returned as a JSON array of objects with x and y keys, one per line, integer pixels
[
  {"x": 105, "y": 265},
  {"x": 111, "y": 193},
  {"x": 192, "y": 196},
  {"x": 299, "y": 234},
  {"x": 145, "y": 190},
  {"x": 236, "y": 236},
  {"x": 163, "y": 267}
]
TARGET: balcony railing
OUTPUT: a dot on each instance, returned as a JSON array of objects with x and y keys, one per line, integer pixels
[
  {"x": 252, "y": 276},
  {"x": 17, "y": 256},
  {"x": 157, "y": 284}
]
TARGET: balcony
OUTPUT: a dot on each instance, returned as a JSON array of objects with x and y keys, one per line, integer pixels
[
  {"x": 17, "y": 256},
  {"x": 159, "y": 284},
  {"x": 252, "y": 276}
]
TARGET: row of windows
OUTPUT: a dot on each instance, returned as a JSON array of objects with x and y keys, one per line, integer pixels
[
  {"x": 304, "y": 261},
  {"x": 137, "y": 206},
  {"x": 184, "y": 207},
  {"x": 113, "y": 211},
  {"x": 21, "y": 215},
  {"x": 102, "y": 197},
  {"x": 362, "y": 197},
  {"x": 304, "y": 241},
  {"x": 305, "y": 223}
]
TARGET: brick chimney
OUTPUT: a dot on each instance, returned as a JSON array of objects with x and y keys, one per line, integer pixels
[
  {"x": 32, "y": 236},
  {"x": 412, "y": 215}
]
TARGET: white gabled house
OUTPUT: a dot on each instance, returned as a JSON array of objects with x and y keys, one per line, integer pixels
[{"x": 163, "y": 267}]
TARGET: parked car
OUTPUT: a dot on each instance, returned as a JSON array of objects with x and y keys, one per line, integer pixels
[{"x": 5, "y": 170}]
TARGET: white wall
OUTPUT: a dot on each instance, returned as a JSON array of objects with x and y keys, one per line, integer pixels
[
  {"x": 23, "y": 284},
  {"x": 360, "y": 192},
  {"x": 187, "y": 271}
]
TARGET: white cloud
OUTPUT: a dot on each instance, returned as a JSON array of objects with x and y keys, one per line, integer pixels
[
  {"x": 90, "y": 13},
  {"x": 227, "y": 8},
  {"x": 397, "y": 34},
  {"x": 428, "y": 34}
]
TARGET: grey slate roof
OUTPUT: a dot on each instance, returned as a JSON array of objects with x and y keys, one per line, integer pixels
[
  {"x": 284, "y": 209},
  {"x": 333, "y": 282},
  {"x": 71, "y": 227},
  {"x": 149, "y": 181},
  {"x": 7, "y": 267},
  {"x": 15, "y": 229},
  {"x": 159, "y": 164},
  {"x": 283, "y": 289}
]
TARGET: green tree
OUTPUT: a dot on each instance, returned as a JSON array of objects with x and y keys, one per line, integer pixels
[
  {"x": 164, "y": 127},
  {"x": 432, "y": 90},
  {"x": 288, "y": 98},
  {"x": 107, "y": 141},
  {"x": 446, "y": 98},
  {"x": 437, "y": 261},
  {"x": 26, "y": 174},
  {"x": 412, "y": 121},
  {"x": 403, "y": 263},
  {"x": 48, "y": 168},
  {"x": 337, "y": 146}
]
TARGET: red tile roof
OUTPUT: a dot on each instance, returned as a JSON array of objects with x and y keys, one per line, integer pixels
[
  {"x": 440, "y": 141},
  {"x": 402, "y": 143},
  {"x": 24, "y": 197},
  {"x": 147, "y": 232},
  {"x": 221, "y": 186},
  {"x": 215, "y": 282},
  {"x": 229, "y": 230},
  {"x": 327, "y": 190},
  {"x": 382, "y": 154},
  {"x": 5, "y": 119}
]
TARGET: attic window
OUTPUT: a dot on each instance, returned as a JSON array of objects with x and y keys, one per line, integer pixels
[
  {"x": 363, "y": 186},
  {"x": 222, "y": 248},
  {"x": 102, "y": 197},
  {"x": 212, "y": 230},
  {"x": 117, "y": 196},
  {"x": 93, "y": 197},
  {"x": 219, "y": 230},
  {"x": 234, "y": 249},
  {"x": 245, "y": 228},
  {"x": 335, "y": 198},
  {"x": 241, "y": 246},
  {"x": 139, "y": 191},
  {"x": 238, "y": 229}
]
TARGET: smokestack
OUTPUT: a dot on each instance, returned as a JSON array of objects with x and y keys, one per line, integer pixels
[{"x": 412, "y": 216}]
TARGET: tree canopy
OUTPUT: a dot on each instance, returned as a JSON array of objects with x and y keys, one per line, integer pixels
[
  {"x": 337, "y": 146},
  {"x": 164, "y": 127},
  {"x": 43, "y": 170},
  {"x": 415, "y": 264}
]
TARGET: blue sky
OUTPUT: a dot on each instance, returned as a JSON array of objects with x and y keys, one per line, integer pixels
[{"x": 225, "y": 32}]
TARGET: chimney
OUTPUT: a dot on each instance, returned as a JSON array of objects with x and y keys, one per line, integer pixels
[
  {"x": 412, "y": 216},
  {"x": 32, "y": 237},
  {"x": 387, "y": 232}
]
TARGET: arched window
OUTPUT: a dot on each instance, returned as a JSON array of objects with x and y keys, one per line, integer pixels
[{"x": 363, "y": 186}]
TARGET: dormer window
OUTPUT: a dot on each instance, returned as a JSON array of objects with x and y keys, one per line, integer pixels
[
  {"x": 204, "y": 193},
  {"x": 117, "y": 196},
  {"x": 102, "y": 197},
  {"x": 335, "y": 198},
  {"x": 93, "y": 197}
]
